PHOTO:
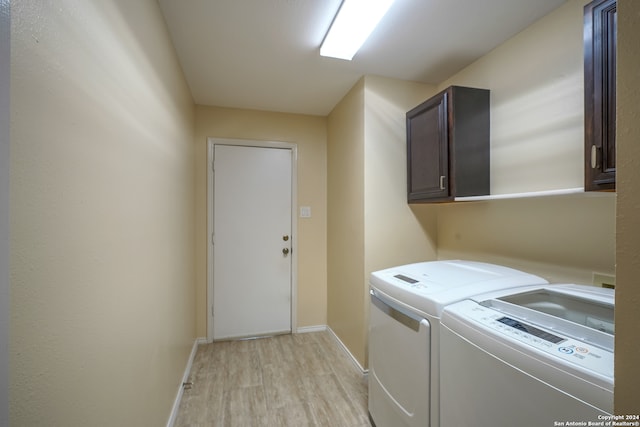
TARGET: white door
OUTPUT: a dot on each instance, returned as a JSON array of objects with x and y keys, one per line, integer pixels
[{"x": 252, "y": 241}]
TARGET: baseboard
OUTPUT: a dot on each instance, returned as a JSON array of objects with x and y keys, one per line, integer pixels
[
  {"x": 322, "y": 328},
  {"x": 185, "y": 378},
  {"x": 348, "y": 353},
  {"x": 305, "y": 329}
]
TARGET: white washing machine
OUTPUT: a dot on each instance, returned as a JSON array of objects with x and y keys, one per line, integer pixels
[
  {"x": 540, "y": 356},
  {"x": 406, "y": 304}
]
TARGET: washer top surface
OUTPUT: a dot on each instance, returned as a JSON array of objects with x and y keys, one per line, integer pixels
[
  {"x": 429, "y": 286},
  {"x": 571, "y": 326}
]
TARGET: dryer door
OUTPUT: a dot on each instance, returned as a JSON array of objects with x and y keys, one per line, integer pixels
[{"x": 399, "y": 358}]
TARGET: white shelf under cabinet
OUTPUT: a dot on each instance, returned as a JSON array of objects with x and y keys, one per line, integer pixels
[{"x": 546, "y": 193}]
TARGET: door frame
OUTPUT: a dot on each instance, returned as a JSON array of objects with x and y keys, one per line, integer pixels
[{"x": 211, "y": 143}]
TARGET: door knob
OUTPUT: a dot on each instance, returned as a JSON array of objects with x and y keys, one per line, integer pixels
[
  {"x": 285, "y": 237},
  {"x": 285, "y": 251}
]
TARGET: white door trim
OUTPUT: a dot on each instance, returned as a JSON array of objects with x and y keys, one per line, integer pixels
[{"x": 211, "y": 142}]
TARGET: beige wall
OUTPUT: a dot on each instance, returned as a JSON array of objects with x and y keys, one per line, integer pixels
[
  {"x": 396, "y": 233},
  {"x": 102, "y": 270},
  {"x": 537, "y": 95},
  {"x": 106, "y": 299},
  {"x": 310, "y": 135},
  {"x": 370, "y": 224},
  {"x": 5, "y": 118},
  {"x": 627, "y": 370},
  {"x": 564, "y": 239},
  {"x": 536, "y": 83},
  {"x": 345, "y": 214}
]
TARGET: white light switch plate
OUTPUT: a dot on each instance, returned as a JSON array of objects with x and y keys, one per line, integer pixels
[{"x": 305, "y": 211}]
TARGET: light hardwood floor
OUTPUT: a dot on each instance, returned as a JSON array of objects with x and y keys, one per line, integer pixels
[{"x": 288, "y": 380}]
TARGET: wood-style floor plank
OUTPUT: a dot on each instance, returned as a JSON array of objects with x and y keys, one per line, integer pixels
[{"x": 288, "y": 380}]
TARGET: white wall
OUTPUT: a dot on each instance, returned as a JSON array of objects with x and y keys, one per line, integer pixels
[
  {"x": 102, "y": 212},
  {"x": 5, "y": 18}
]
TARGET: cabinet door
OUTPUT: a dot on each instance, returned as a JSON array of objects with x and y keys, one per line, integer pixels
[
  {"x": 427, "y": 151},
  {"x": 600, "y": 20}
]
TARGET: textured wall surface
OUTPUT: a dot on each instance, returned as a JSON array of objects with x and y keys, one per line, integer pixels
[
  {"x": 628, "y": 208},
  {"x": 102, "y": 208},
  {"x": 345, "y": 222},
  {"x": 5, "y": 25}
]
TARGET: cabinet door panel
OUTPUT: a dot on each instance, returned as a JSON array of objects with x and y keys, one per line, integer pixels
[
  {"x": 600, "y": 21},
  {"x": 428, "y": 164}
]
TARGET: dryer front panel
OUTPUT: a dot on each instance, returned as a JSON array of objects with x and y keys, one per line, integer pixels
[{"x": 399, "y": 359}]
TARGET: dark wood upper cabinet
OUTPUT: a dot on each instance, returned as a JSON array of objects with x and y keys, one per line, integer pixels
[
  {"x": 448, "y": 146},
  {"x": 600, "y": 22}
]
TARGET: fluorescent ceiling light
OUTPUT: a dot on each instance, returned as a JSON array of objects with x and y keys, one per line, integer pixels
[{"x": 355, "y": 20}]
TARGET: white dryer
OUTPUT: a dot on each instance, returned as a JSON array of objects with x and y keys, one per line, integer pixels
[
  {"x": 406, "y": 304},
  {"x": 539, "y": 356}
]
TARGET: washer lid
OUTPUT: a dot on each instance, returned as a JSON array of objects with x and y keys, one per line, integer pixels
[
  {"x": 592, "y": 308},
  {"x": 429, "y": 286},
  {"x": 585, "y": 313}
]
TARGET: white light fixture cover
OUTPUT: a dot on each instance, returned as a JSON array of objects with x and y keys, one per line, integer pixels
[{"x": 355, "y": 20}]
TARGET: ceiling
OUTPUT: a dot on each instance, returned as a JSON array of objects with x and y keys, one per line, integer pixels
[{"x": 264, "y": 54}]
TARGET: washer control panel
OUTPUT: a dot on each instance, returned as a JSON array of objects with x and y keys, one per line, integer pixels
[{"x": 548, "y": 340}]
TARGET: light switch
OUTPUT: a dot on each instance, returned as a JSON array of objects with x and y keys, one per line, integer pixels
[{"x": 305, "y": 211}]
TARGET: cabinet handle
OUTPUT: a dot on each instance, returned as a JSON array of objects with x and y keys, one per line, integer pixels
[
  {"x": 594, "y": 157},
  {"x": 442, "y": 177}
]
